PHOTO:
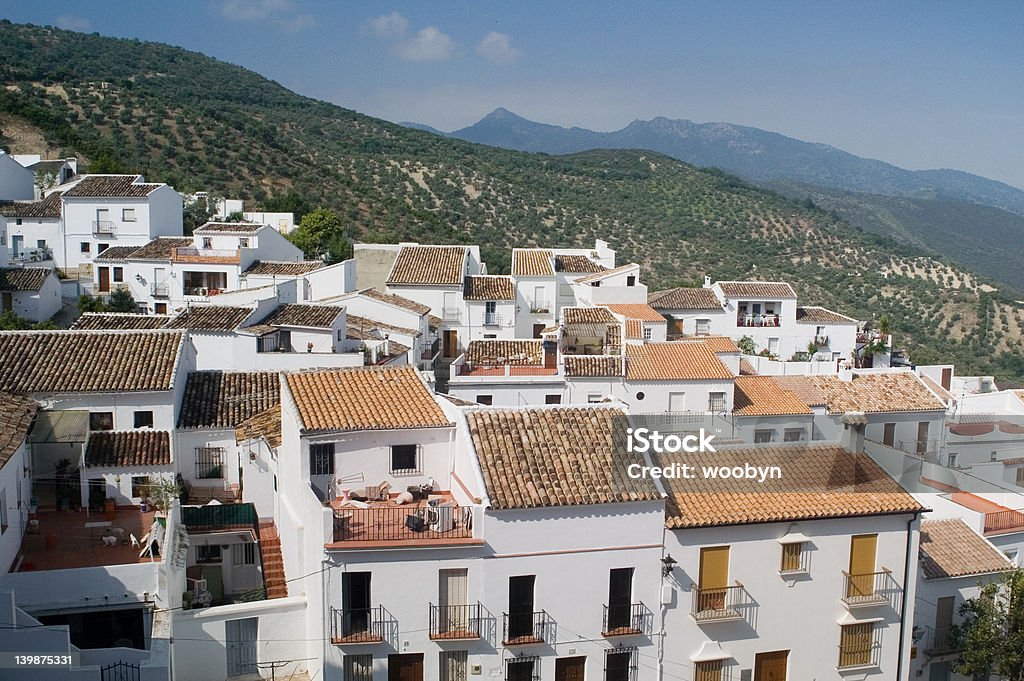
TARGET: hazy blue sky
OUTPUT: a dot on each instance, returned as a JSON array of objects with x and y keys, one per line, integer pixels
[{"x": 919, "y": 84}]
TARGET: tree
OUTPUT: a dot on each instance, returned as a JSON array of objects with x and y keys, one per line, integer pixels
[
  {"x": 292, "y": 202},
  {"x": 87, "y": 303},
  {"x": 44, "y": 181},
  {"x": 320, "y": 235},
  {"x": 991, "y": 636},
  {"x": 747, "y": 346},
  {"x": 121, "y": 301},
  {"x": 197, "y": 213},
  {"x": 12, "y": 322}
]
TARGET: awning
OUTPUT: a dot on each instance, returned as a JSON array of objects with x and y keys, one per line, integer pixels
[
  {"x": 67, "y": 425},
  {"x": 847, "y": 618},
  {"x": 792, "y": 537},
  {"x": 709, "y": 652}
]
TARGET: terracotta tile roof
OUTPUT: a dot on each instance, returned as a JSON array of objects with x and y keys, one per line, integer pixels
[
  {"x": 587, "y": 366},
  {"x": 684, "y": 298},
  {"x": 116, "y": 253},
  {"x": 88, "y": 361},
  {"x": 943, "y": 394},
  {"x": 221, "y": 400},
  {"x": 229, "y": 228},
  {"x": 306, "y": 316},
  {"x": 821, "y": 315},
  {"x": 577, "y": 264},
  {"x": 116, "y": 449},
  {"x": 216, "y": 318},
  {"x": 48, "y": 208},
  {"x": 428, "y": 265},
  {"x": 23, "y": 278},
  {"x": 16, "y": 415},
  {"x": 597, "y": 276},
  {"x": 634, "y": 329},
  {"x": 950, "y": 548},
  {"x": 757, "y": 289},
  {"x": 353, "y": 321},
  {"x": 762, "y": 396},
  {"x": 496, "y": 287},
  {"x": 747, "y": 369},
  {"x": 265, "y": 425},
  {"x": 112, "y": 321},
  {"x": 367, "y": 398},
  {"x": 570, "y": 456},
  {"x": 674, "y": 361},
  {"x": 113, "y": 186},
  {"x": 161, "y": 248},
  {"x": 811, "y": 394},
  {"x": 587, "y": 315},
  {"x": 876, "y": 393},
  {"x": 532, "y": 262},
  {"x": 283, "y": 269},
  {"x": 397, "y": 301},
  {"x": 512, "y": 352},
  {"x": 718, "y": 344},
  {"x": 818, "y": 481},
  {"x": 639, "y": 311},
  {"x": 434, "y": 321}
]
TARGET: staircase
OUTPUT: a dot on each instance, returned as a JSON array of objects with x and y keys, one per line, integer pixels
[{"x": 273, "y": 562}]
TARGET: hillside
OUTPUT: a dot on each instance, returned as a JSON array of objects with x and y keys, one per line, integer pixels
[
  {"x": 180, "y": 117},
  {"x": 752, "y": 153}
]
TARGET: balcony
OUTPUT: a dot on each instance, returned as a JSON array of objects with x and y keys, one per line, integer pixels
[
  {"x": 868, "y": 589},
  {"x": 861, "y": 652},
  {"x": 939, "y": 641},
  {"x": 821, "y": 341},
  {"x": 1004, "y": 521},
  {"x": 430, "y": 351},
  {"x": 104, "y": 228},
  {"x": 360, "y": 625},
  {"x": 720, "y": 604},
  {"x": 206, "y": 255},
  {"x": 540, "y": 307},
  {"x": 455, "y": 622},
  {"x": 160, "y": 290},
  {"x": 436, "y": 521},
  {"x": 757, "y": 320},
  {"x": 626, "y": 620},
  {"x": 451, "y": 314},
  {"x": 492, "y": 319},
  {"x": 525, "y": 628}
]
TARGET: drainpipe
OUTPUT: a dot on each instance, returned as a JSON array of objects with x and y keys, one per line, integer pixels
[{"x": 908, "y": 563}]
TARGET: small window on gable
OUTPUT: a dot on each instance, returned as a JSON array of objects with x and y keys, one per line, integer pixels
[{"x": 128, "y": 215}]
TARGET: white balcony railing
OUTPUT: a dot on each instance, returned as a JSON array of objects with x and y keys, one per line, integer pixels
[
  {"x": 451, "y": 314},
  {"x": 492, "y": 319},
  {"x": 104, "y": 227}
]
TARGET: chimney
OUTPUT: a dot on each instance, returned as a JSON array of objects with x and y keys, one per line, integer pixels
[
  {"x": 854, "y": 423},
  {"x": 846, "y": 372},
  {"x": 707, "y": 281}
]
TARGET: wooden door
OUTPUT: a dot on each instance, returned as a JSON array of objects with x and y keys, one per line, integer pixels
[
  {"x": 405, "y": 667},
  {"x": 922, "y": 437},
  {"x": 104, "y": 274},
  {"x": 947, "y": 378},
  {"x": 6, "y": 302},
  {"x": 888, "y": 434},
  {"x": 620, "y": 597},
  {"x": 943, "y": 621},
  {"x": 537, "y": 328},
  {"x": 771, "y": 666},
  {"x": 862, "y": 565},
  {"x": 714, "y": 578},
  {"x": 451, "y": 343},
  {"x": 570, "y": 668},
  {"x": 355, "y": 599},
  {"x": 452, "y": 591},
  {"x": 520, "y": 606}
]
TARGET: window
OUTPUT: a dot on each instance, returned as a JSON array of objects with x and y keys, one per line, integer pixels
[
  {"x": 855, "y": 645},
  {"x": 321, "y": 459},
  {"x": 490, "y": 336},
  {"x": 593, "y": 398},
  {"x": 922, "y": 437},
  {"x": 40, "y": 243},
  {"x": 620, "y": 664},
  {"x": 140, "y": 486},
  {"x": 952, "y": 459},
  {"x": 677, "y": 401},
  {"x": 1020, "y": 476},
  {"x": 793, "y": 435},
  {"x": 209, "y": 463},
  {"x": 773, "y": 346},
  {"x": 405, "y": 458},
  {"x": 207, "y": 553},
  {"x": 595, "y": 284},
  {"x": 525, "y": 668},
  {"x": 101, "y": 420},
  {"x": 485, "y": 399},
  {"x": 243, "y": 243},
  {"x": 358, "y": 668},
  {"x": 640, "y": 396},
  {"x": 993, "y": 456},
  {"x": 889, "y": 434},
  {"x": 3, "y": 511},
  {"x": 519, "y": 621},
  {"x": 85, "y": 247},
  {"x": 243, "y": 554},
  {"x": 1011, "y": 555},
  {"x": 618, "y": 615},
  {"x": 794, "y": 555},
  {"x": 631, "y": 280},
  {"x": 101, "y": 248},
  {"x": 716, "y": 401},
  {"x": 341, "y": 335},
  {"x": 709, "y": 670},
  {"x": 452, "y": 665},
  {"x": 648, "y": 333},
  {"x": 819, "y": 331},
  {"x": 143, "y": 419},
  {"x": 119, "y": 274},
  {"x": 128, "y": 215},
  {"x": 762, "y": 436},
  {"x": 207, "y": 242},
  {"x": 703, "y": 327},
  {"x": 557, "y": 399}
]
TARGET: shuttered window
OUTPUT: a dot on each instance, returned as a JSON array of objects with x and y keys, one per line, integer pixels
[
  {"x": 855, "y": 645},
  {"x": 708, "y": 671}
]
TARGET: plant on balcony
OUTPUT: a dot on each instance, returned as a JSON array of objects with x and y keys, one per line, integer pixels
[
  {"x": 812, "y": 348},
  {"x": 991, "y": 636},
  {"x": 747, "y": 345},
  {"x": 163, "y": 493}
]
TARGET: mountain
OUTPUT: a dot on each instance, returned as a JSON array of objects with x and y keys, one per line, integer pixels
[
  {"x": 198, "y": 123},
  {"x": 752, "y": 153}
]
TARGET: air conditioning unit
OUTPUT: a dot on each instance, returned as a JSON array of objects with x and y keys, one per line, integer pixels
[
  {"x": 441, "y": 518},
  {"x": 203, "y": 291}
]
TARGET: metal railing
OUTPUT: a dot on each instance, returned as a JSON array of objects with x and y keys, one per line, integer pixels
[
  {"x": 869, "y": 588},
  {"x": 717, "y": 604},
  {"x": 998, "y": 521},
  {"x": 451, "y": 314},
  {"x": 626, "y": 619},
  {"x": 924, "y": 448},
  {"x": 160, "y": 290},
  {"x": 430, "y": 351},
  {"x": 939, "y": 640},
  {"x": 104, "y": 227},
  {"x": 193, "y": 252},
  {"x": 861, "y": 653},
  {"x": 359, "y": 625},
  {"x": 492, "y": 319},
  {"x": 455, "y": 622},
  {"x": 521, "y": 628},
  {"x": 540, "y": 307},
  {"x": 758, "y": 320},
  {"x": 397, "y": 523},
  {"x": 821, "y": 340}
]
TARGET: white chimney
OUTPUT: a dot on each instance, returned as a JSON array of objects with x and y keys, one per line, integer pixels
[{"x": 707, "y": 281}]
